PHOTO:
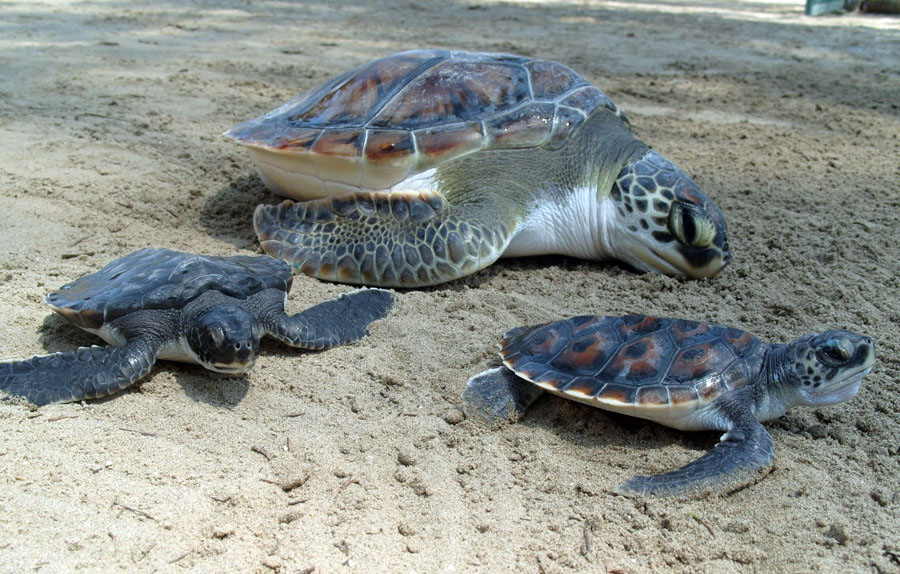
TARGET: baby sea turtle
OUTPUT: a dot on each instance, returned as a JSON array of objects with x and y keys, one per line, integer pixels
[
  {"x": 429, "y": 165},
  {"x": 159, "y": 303},
  {"x": 683, "y": 374}
]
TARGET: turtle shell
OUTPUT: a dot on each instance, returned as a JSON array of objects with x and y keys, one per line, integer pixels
[
  {"x": 644, "y": 366},
  {"x": 376, "y": 125},
  {"x": 163, "y": 279}
]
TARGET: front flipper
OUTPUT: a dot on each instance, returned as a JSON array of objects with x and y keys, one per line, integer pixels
[
  {"x": 87, "y": 373},
  {"x": 743, "y": 455},
  {"x": 497, "y": 396},
  {"x": 396, "y": 239},
  {"x": 336, "y": 322}
]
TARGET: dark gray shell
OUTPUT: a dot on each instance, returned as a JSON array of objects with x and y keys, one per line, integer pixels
[
  {"x": 163, "y": 279},
  {"x": 635, "y": 362}
]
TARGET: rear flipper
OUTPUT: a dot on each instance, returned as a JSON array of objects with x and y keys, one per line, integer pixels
[
  {"x": 382, "y": 239},
  {"x": 744, "y": 454},
  {"x": 87, "y": 373},
  {"x": 336, "y": 322},
  {"x": 497, "y": 396}
]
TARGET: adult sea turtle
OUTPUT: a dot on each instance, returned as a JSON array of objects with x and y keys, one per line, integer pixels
[
  {"x": 683, "y": 374},
  {"x": 429, "y": 165},
  {"x": 163, "y": 304}
]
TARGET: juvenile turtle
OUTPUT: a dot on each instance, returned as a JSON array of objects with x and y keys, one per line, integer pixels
[
  {"x": 429, "y": 165},
  {"x": 683, "y": 374},
  {"x": 163, "y": 304}
]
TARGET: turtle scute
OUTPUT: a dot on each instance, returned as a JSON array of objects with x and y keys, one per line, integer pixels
[
  {"x": 163, "y": 279},
  {"x": 377, "y": 124},
  {"x": 636, "y": 359}
]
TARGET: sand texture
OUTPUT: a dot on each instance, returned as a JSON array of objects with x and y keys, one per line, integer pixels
[{"x": 358, "y": 459}]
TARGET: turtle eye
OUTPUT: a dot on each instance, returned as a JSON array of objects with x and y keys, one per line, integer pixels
[
  {"x": 690, "y": 225},
  {"x": 832, "y": 354}
]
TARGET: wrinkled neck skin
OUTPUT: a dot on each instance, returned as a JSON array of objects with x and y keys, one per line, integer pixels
[
  {"x": 606, "y": 146},
  {"x": 557, "y": 200},
  {"x": 776, "y": 385}
]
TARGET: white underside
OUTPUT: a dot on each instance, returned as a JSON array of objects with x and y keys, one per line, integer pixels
[
  {"x": 572, "y": 223},
  {"x": 177, "y": 350},
  {"x": 688, "y": 416},
  {"x": 305, "y": 176}
]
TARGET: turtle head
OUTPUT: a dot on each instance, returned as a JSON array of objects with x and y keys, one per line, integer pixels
[
  {"x": 225, "y": 338},
  {"x": 663, "y": 222},
  {"x": 827, "y": 368}
]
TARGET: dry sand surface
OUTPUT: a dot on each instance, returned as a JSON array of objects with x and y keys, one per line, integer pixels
[{"x": 357, "y": 459}]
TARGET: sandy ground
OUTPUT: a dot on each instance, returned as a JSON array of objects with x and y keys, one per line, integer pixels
[{"x": 357, "y": 459}]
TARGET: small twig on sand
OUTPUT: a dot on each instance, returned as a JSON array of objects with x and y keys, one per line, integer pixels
[
  {"x": 348, "y": 482},
  {"x": 174, "y": 560},
  {"x": 61, "y": 417},
  {"x": 140, "y": 432},
  {"x": 134, "y": 510},
  {"x": 262, "y": 451},
  {"x": 705, "y": 525},
  {"x": 586, "y": 543}
]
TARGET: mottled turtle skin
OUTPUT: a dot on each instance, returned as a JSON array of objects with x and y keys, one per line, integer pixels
[
  {"x": 683, "y": 374},
  {"x": 429, "y": 165},
  {"x": 163, "y": 304}
]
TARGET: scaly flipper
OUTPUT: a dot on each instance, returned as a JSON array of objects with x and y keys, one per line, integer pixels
[
  {"x": 336, "y": 322},
  {"x": 396, "y": 239},
  {"x": 87, "y": 373},
  {"x": 497, "y": 395},
  {"x": 744, "y": 453}
]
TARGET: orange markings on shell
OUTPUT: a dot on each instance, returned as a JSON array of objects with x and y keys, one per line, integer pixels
[
  {"x": 680, "y": 395},
  {"x": 296, "y": 139},
  {"x": 710, "y": 388},
  {"x": 634, "y": 360},
  {"x": 346, "y": 143},
  {"x": 455, "y": 91},
  {"x": 543, "y": 342},
  {"x": 634, "y": 326},
  {"x": 740, "y": 340},
  {"x": 529, "y": 126},
  {"x": 612, "y": 393},
  {"x": 390, "y": 158},
  {"x": 549, "y": 79},
  {"x": 440, "y": 144},
  {"x": 652, "y": 396},
  {"x": 684, "y": 330},
  {"x": 640, "y": 360},
  {"x": 384, "y": 145},
  {"x": 700, "y": 359},
  {"x": 358, "y": 94},
  {"x": 736, "y": 375},
  {"x": 585, "y": 323},
  {"x": 587, "y": 354},
  {"x": 585, "y": 386}
]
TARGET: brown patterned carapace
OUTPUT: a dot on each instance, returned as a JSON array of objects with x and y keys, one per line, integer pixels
[
  {"x": 634, "y": 361},
  {"x": 408, "y": 112}
]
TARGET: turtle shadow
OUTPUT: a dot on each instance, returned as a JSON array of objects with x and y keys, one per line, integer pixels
[
  {"x": 529, "y": 264},
  {"x": 227, "y": 215},
  {"x": 215, "y": 389},
  {"x": 584, "y": 426}
]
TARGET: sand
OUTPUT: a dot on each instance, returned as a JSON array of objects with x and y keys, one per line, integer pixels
[{"x": 357, "y": 459}]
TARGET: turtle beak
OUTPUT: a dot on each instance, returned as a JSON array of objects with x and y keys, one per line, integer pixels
[
  {"x": 235, "y": 368},
  {"x": 649, "y": 260}
]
